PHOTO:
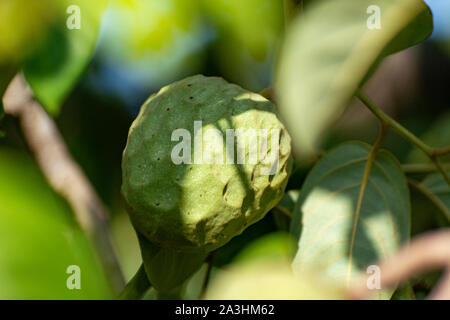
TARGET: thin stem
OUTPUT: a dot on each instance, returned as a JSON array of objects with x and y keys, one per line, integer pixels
[
  {"x": 384, "y": 118},
  {"x": 394, "y": 124},
  {"x": 441, "y": 151},
  {"x": 64, "y": 174},
  {"x": 441, "y": 169},
  {"x": 137, "y": 287},
  {"x": 432, "y": 197},
  {"x": 283, "y": 211},
  {"x": 370, "y": 160},
  {"x": 422, "y": 168}
]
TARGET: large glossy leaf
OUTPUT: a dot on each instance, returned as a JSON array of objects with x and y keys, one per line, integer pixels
[
  {"x": 340, "y": 235},
  {"x": 39, "y": 238},
  {"x": 54, "y": 69},
  {"x": 328, "y": 53}
]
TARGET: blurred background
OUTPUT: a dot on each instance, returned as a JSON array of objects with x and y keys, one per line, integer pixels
[{"x": 142, "y": 46}]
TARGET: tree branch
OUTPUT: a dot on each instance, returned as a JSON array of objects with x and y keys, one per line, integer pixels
[{"x": 63, "y": 174}]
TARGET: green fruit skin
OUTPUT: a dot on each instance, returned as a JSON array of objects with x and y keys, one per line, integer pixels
[{"x": 198, "y": 208}]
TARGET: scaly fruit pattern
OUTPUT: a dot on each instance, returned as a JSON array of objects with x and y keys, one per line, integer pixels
[{"x": 182, "y": 210}]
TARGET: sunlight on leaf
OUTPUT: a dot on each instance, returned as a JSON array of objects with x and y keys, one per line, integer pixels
[
  {"x": 324, "y": 218},
  {"x": 328, "y": 53},
  {"x": 253, "y": 280}
]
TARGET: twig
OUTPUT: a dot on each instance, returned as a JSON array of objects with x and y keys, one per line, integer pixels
[
  {"x": 422, "y": 168},
  {"x": 63, "y": 174},
  {"x": 426, "y": 252},
  {"x": 441, "y": 151},
  {"x": 441, "y": 169},
  {"x": 394, "y": 124},
  {"x": 432, "y": 197},
  {"x": 136, "y": 287},
  {"x": 432, "y": 153}
]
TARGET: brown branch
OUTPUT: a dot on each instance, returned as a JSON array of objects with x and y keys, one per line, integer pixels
[
  {"x": 426, "y": 252},
  {"x": 63, "y": 174}
]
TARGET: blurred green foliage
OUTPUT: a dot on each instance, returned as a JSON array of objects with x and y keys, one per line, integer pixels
[
  {"x": 59, "y": 61},
  {"x": 21, "y": 26},
  {"x": 39, "y": 238}
]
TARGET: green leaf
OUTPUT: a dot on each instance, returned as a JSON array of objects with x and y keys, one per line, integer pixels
[
  {"x": 39, "y": 238},
  {"x": 275, "y": 246},
  {"x": 54, "y": 69},
  {"x": 404, "y": 292},
  {"x": 336, "y": 235},
  {"x": 328, "y": 53}
]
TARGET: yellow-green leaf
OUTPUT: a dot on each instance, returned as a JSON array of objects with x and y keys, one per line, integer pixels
[
  {"x": 54, "y": 69},
  {"x": 330, "y": 50}
]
